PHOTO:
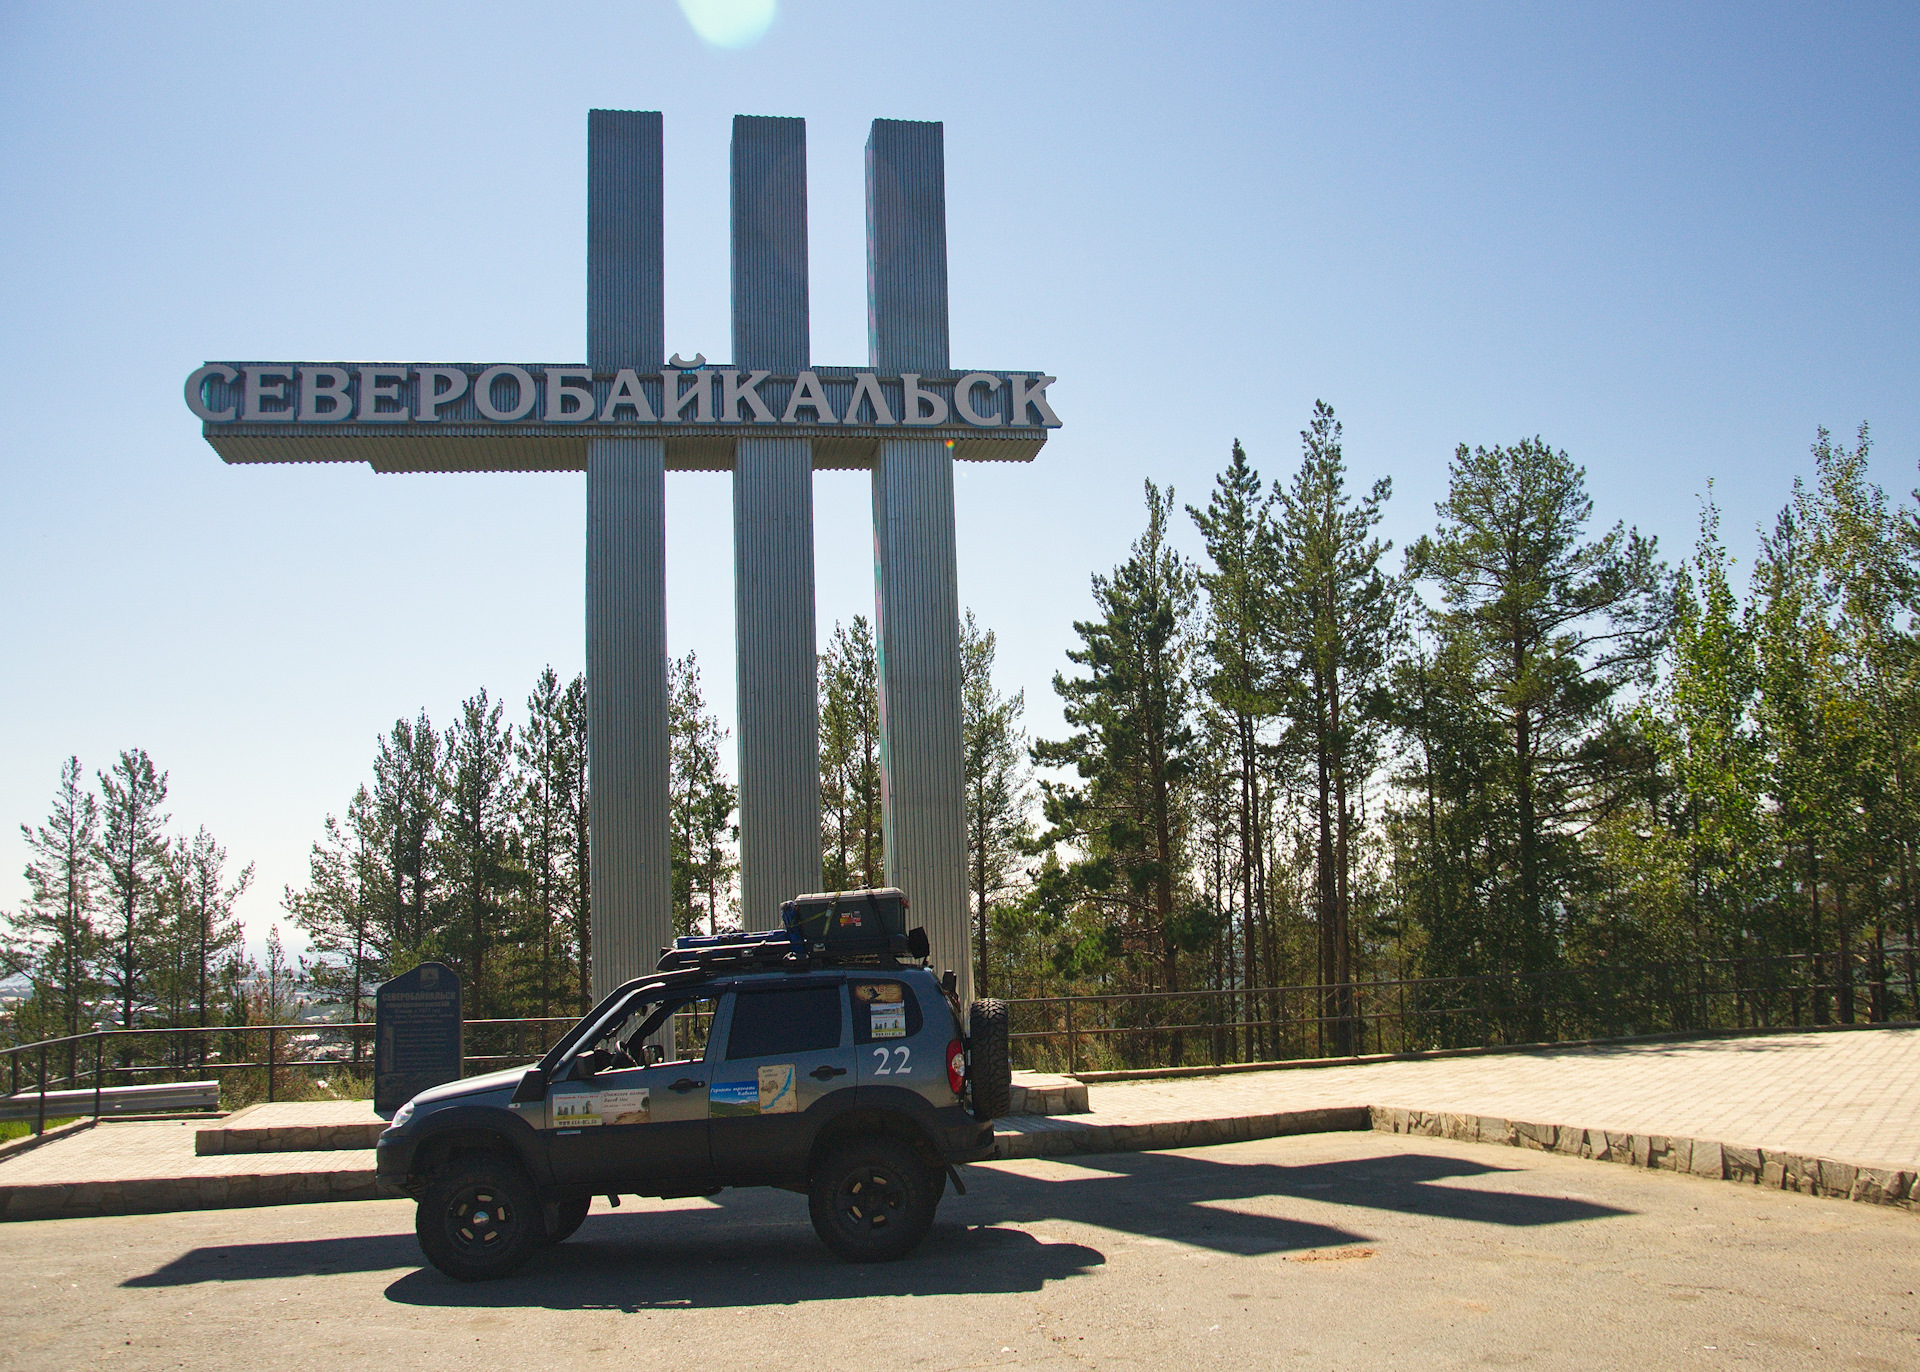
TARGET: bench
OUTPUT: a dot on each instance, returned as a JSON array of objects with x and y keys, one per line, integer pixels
[{"x": 152, "y": 1098}]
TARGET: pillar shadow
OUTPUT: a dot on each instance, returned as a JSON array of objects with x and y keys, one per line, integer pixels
[{"x": 756, "y": 1247}]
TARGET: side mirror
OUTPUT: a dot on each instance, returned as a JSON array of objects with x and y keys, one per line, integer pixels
[
  {"x": 917, "y": 946},
  {"x": 532, "y": 1087},
  {"x": 654, "y": 1054}
]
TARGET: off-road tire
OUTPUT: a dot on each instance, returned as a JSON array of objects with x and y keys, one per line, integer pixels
[
  {"x": 872, "y": 1200},
  {"x": 479, "y": 1219},
  {"x": 991, "y": 1074},
  {"x": 564, "y": 1218}
]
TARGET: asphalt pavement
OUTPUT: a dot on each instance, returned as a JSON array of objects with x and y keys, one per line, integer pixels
[{"x": 1324, "y": 1251}]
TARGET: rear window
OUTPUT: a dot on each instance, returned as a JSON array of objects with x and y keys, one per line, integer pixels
[
  {"x": 797, "y": 1019},
  {"x": 884, "y": 1010}
]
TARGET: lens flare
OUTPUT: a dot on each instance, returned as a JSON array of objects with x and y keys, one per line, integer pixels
[{"x": 730, "y": 23}]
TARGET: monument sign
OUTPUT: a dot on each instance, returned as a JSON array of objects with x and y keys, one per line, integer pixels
[
  {"x": 416, "y": 1034},
  {"x": 630, "y": 413}
]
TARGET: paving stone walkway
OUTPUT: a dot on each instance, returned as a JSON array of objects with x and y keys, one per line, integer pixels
[
  {"x": 1840, "y": 1094},
  {"x": 1771, "y": 1108}
]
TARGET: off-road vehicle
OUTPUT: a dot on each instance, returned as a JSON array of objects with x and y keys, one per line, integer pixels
[{"x": 822, "y": 1057}]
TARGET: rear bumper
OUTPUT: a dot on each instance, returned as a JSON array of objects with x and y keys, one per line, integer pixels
[{"x": 968, "y": 1141}]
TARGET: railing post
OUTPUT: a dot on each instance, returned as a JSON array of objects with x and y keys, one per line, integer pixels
[
  {"x": 99, "y": 1053},
  {"x": 1071, "y": 1067},
  {"x": 40, "y": 1117},
  {"x": 269, "y": 1062}
]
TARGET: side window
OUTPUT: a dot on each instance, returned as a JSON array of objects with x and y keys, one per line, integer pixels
[
  {"x": 799, "y": 1019},
  {"x": 884, "y": 1010}
]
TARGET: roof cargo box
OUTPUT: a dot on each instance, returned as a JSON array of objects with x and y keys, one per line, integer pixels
[{"x": 848, "y": 921}]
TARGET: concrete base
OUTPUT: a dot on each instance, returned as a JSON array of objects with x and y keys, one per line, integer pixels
[
  {"x": 1042, "y": 1093},
  {"x": 292, "y": 1127}
]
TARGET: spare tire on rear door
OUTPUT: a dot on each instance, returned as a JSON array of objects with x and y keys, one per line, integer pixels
[{"x": 991, "y": 1075}]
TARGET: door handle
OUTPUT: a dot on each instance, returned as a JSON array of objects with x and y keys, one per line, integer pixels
[
  {"x": 826, "y": 1073},
  {"x": 685, "y": 1084}
]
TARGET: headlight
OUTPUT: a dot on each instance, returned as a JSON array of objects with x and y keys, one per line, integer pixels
[{"x": 401, "y": 1116}]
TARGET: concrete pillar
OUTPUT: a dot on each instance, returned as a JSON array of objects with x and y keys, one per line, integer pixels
[
  {"x": 632, "y": 891},
  {"x": 777, "y": 670},
  {"x": 917, "y": 607}
]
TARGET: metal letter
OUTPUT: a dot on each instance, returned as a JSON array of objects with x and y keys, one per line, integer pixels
[
  {"x": 483, "y": 394},
  {"x": 912, "y": 398},
  {"x": 808, "y": 393},
  {"x": 867, "y": 384},
  {"x": 258, "y": 388},
  {"x": 559, "y": 393},
  {"x": 197, "y": 393},
  {"x": 675, "y": 399},
  {"x": 963, "y": 398},
  {"x": 373, "y": 390},
  {"x": 733, "y": 392},
  {"x": 626, "y": 391},
  {"x": 324, "y": 383},
  {"x": 431, "y": 397},
  {"x": 1027, "y": 392}
]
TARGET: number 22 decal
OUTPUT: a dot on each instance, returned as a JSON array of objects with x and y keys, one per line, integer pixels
[{"x": 882, "y": 1056}]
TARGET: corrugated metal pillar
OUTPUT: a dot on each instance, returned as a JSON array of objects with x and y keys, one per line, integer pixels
[
  {"x": 777, "y": 671},
  {"x": 632, "y": 891},
  {"x": 916, "y": 579}
]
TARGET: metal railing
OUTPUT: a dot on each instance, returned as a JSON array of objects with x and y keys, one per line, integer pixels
[
  {"x": 131, "y": 1056},
  {"x": 1223, "y": 1025}
]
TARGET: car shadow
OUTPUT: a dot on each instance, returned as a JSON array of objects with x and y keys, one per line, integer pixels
[{"x": 756, "y": 1247}]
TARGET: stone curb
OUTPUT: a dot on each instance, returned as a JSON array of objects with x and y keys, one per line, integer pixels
[
  {"x": 1709, "y": 1158},
  {"x": 286, "y": 1138},
  {"x": 154, "y": 1195},
  {"x": 1035, "y": 1137}
]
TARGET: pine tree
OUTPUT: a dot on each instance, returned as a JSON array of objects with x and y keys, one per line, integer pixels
[
  {"x": 479, "y": 852},
  {"x": 52, "y": 940},
  {"x": 204, "y": 904},
  {"x": 993, "y": 749},
  {"x": 342, "y": 906},
  {"x": 132, "y": 852},
  {"x": 851, "y": 843},
  {"x": 408, "y": 811},
  {"x": 1555, "y": 626},
  {"x": 542, "y": 749},
  {"x": 1133, "y": 749},
  {"x": 1242, "y": 675},
  {"x": 700, "y": 803},
  {"x": 576, "y": 870},
  {"x": 1336, "y": 615}
]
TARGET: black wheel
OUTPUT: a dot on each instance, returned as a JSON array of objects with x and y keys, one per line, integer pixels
[
  {"x": 872, "y": 1201},
  {"x": 565, "y": 1217},
  {"x": 479, "y": 1219},
  {"x": 991, "y": 1074}
]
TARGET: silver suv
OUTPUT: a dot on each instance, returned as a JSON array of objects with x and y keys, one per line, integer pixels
[{"x": 847, "y": 1079}]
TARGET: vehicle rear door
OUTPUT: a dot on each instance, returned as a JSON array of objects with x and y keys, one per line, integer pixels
[{"x": 785, "y": 1060}]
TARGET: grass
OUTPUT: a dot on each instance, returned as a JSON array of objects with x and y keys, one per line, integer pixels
[{"x": 19, "y": 1129}]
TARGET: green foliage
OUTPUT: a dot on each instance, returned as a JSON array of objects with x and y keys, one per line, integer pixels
[
  {"x": 852, "y": 844},
  {"x": 701, "y": 802}
]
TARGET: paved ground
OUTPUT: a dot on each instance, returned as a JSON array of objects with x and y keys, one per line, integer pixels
[
  {"x": 1851, "y": 1095},
  {"x": 1329, "y": 1251}
]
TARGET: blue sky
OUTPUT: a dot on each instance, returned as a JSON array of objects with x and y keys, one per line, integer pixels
[{"x": 1671, "y": 240}]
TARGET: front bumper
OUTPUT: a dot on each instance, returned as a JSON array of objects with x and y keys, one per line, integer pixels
[{"x": 393, "y": 1159}]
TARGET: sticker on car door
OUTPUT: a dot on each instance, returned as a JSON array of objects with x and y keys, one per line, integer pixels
[{"x": 774, "y": 1091}]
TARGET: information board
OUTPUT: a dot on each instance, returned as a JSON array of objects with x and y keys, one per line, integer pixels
[{"x": 416, "y": 1034}]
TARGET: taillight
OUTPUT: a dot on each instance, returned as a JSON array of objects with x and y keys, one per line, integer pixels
[{"x": 957, "y": 1066}]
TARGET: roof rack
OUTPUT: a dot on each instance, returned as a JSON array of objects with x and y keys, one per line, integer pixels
[{"x": 825, "y": 928}]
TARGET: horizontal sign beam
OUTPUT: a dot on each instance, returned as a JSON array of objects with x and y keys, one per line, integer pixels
[{"x": 539, "y": 417}]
